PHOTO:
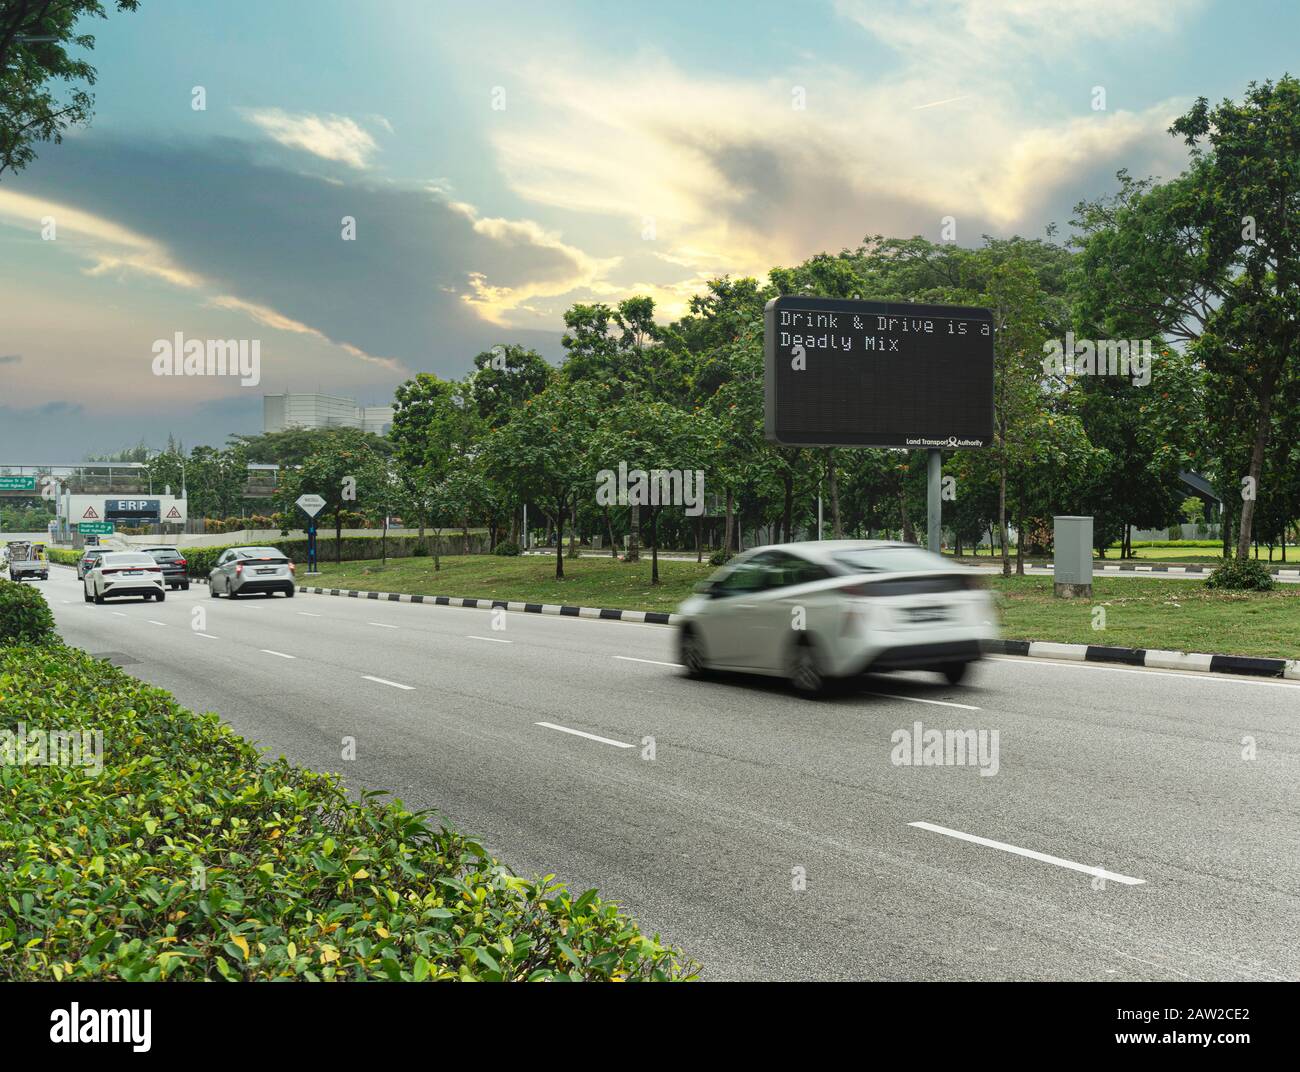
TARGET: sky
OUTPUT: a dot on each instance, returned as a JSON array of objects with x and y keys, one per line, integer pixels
[{"x": 502, "y": 162}]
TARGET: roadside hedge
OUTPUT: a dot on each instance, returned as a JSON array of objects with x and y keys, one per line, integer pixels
[
  {"x": 187, "y": 857},
  {"x": 200, "y": 560},
  {"x": 63, "y": 556},
  {"x": 25, "y": 617}
]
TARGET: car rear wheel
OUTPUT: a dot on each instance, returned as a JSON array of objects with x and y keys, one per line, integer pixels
[
  {"x": 806, "y": 672},
  {"x": 212, "y": 588},
  {"x": 86, "y": 596},
  {"x": 290, "y": 592},
  {"x": 954, "y": 672},
  {"x": 98, "y": 598},
  {"x": 691, "y": 654}
]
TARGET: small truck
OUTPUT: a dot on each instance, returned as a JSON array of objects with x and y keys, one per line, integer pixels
[{"x": 28, "y": 559}]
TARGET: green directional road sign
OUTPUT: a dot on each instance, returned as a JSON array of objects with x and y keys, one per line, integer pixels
[
  {"x": 17, "y": 483},
  {"x": 95, "y": 528}
]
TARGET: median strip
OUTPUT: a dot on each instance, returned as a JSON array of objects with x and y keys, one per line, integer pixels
[
  {"x": 640, "y": 617},
  {"x": 1148, "y": 658}
]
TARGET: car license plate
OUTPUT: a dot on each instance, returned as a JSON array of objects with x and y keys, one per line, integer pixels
[
  {"x": 268, "y": 569},
  {"x": 928, "y": 614},
  {"x": 133, "y": 573}
]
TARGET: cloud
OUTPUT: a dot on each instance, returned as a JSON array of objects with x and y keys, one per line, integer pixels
[
  {"x": 331, "y": 137},
  {"x": 736, "y": 178},
  {"x": 428, "y": 282}
]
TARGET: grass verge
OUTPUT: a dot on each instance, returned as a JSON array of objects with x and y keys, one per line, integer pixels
[{"x": 1181, "y": 615}]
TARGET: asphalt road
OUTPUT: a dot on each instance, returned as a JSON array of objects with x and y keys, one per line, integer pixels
[{"x": 751, "y": 789}]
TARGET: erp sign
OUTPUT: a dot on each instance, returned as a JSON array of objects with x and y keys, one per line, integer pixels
[
  {"x": 877, "y": 374},
  {"x": 141, "y": 509}
]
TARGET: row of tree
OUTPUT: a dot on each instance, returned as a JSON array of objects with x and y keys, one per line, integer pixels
[{"x": 1204, "y": 266}]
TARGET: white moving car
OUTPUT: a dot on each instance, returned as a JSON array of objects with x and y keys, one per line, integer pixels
[
  {"x": 818, "y": 611},
  {"x": 124, "y": 573}
]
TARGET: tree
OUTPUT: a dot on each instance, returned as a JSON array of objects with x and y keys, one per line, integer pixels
[
  {"x": 1246, "y": 207},
  {"x": 1212, "y": 258},
  {"x": 34, "y": 38},
  {"x": 434, "y": 422},
  {"x": 653, "y": 437},
  {"x": 337, "y": 471},
  {"x": 541, "y": 455},
  {"x": 503, "y": 378}
]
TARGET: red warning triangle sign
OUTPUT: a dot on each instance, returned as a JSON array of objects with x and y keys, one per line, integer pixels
[
  {"x": 90, "y": 514},
  {"x": 173, "y": 512}
]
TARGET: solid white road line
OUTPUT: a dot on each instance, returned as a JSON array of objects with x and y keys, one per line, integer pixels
[
  {"x": 119, "y": 614},
  {"x": 1220, "y": 679},
  {"x": 385, "y": 681},
  {"x": 922, "y": 699},
  {"x": 382, "y": 625},
  {"x": 282, "y": 655},
  {"x": 652, "y": 662},
  {"x": 494, "y": 640},
  {"x": 151, "y": 621},
  {"x": 1098, "y": 872},
  {"x": 308, "y": 614},
  {"x": 208, "y": 635},
  {"x": 580, "y": 733}
]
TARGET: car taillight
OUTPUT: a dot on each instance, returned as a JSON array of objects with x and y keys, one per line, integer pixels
[
  {"x": 861, "y": 590},
  {"x": 239, "y": 568},
  {"x": 180, "y": 562}
]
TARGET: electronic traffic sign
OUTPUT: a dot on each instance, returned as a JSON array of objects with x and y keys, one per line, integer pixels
[{"x": 877, "y": 374}]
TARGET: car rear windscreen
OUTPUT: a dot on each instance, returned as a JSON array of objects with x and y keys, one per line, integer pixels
[{"x": 890, "y": 560}]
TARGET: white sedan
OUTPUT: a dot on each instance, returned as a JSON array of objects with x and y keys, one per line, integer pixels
[
  {"x": 818, "y": 611},
  {"x": 124, "y": 573}
]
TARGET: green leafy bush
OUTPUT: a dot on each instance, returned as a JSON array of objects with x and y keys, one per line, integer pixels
[
  {"x": 507, "y": 549},
  {"x": 1250, "y": 575},
  {"x": 200, "y": 560},
  {"x": 63, "y": 556},
  {"x": 719, "y": 557},
  {"x": 187, "y": 857},
  {"x": 25, "y": 617}
]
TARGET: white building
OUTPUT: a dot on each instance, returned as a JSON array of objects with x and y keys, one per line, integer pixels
[{"x": 322, "y": 411}]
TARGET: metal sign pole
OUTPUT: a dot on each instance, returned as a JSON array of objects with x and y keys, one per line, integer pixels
[{"x": 933, "y": 499}]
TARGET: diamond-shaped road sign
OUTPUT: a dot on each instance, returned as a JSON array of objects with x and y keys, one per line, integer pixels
[{"x": 310, "y": 504}]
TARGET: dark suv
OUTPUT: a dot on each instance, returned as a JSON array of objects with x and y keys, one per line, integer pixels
[
  {"x": 89, "y": 556},
  {"x": 172, "y": 562}
]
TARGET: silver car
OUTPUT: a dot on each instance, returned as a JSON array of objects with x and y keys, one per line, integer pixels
[
  {"x": 243, "y": 570},
  {"x": 822, "y": 610}
]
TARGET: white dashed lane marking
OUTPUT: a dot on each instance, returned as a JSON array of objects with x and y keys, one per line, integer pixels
[
  {"x": 1097, "y": 872},
  {"x": 580, "y": 733},
  {"x": 385, "y": 681}
]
